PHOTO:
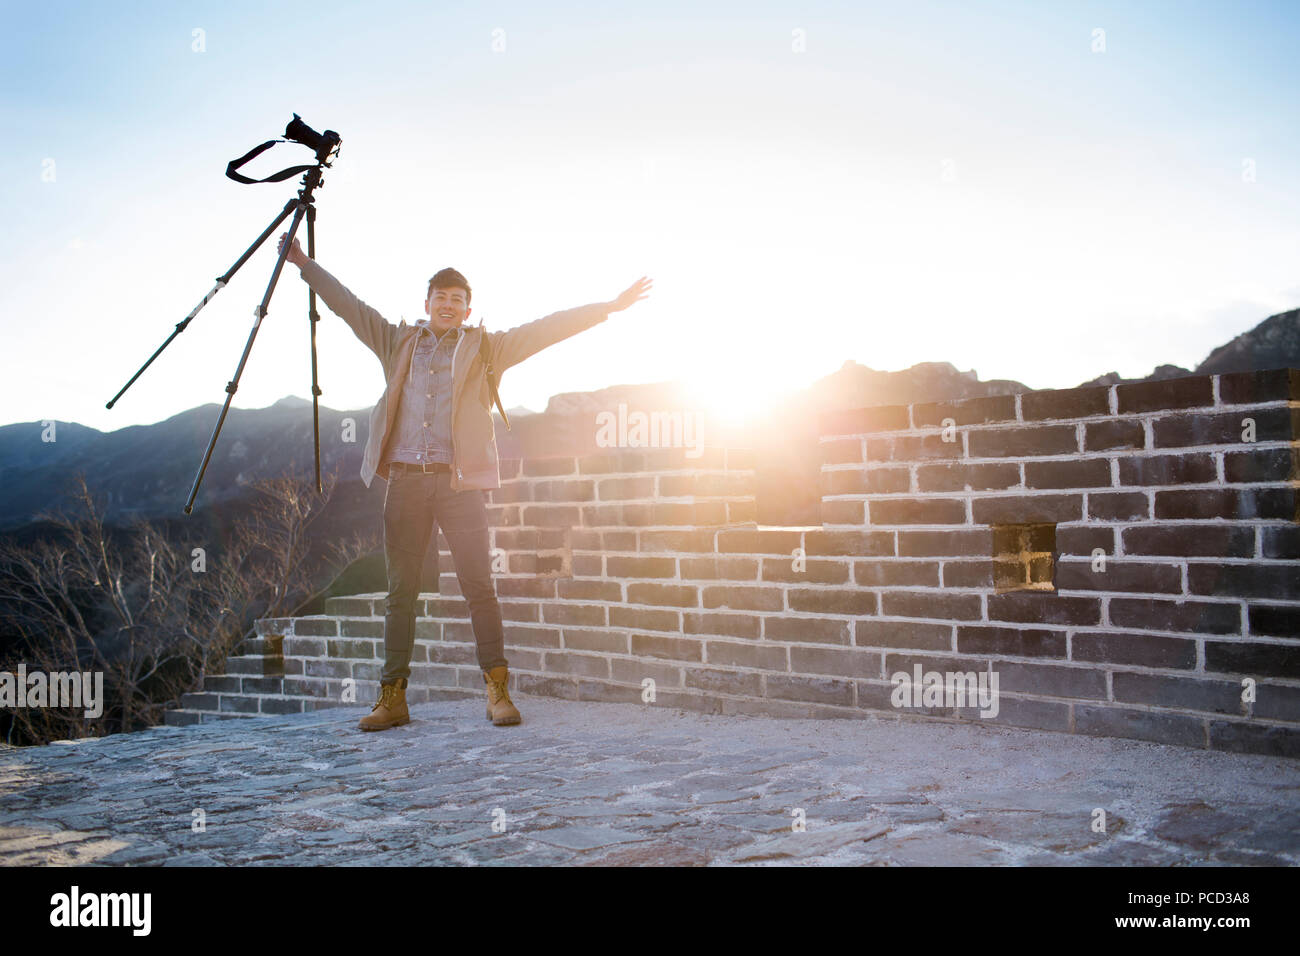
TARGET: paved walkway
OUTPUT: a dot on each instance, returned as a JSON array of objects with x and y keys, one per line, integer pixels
[{"x": 627, "y": 784}]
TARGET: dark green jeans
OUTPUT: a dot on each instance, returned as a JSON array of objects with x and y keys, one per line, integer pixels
[{"x": 414, "y": 504}]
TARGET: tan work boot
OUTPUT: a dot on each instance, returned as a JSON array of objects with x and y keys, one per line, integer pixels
[
  {"x": 500, "y": 708},
  {"x": 390, "y": 710}
]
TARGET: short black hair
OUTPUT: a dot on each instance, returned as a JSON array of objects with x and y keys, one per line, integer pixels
[{"x": 450, "y": 279}]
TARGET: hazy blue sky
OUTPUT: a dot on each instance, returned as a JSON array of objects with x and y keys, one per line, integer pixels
[{"x": 969, "y": 182}]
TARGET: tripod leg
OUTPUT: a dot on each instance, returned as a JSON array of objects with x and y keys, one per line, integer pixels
[
  {"x": 221, "y": 284},
  {"x": 314, "y": 317},
  {"x": 303, "y": 203}
]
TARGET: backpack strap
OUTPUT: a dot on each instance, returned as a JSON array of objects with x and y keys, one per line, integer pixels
[{"x": 485, "y": 353}]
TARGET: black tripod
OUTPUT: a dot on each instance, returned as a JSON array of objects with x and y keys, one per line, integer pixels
[{"x": 326, "y": 145}]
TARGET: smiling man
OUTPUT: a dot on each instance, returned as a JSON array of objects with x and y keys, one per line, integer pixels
[{"x": 433, "y": 441}]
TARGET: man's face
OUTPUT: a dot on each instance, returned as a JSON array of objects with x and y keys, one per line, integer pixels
[{"x": 447, "y": 308}]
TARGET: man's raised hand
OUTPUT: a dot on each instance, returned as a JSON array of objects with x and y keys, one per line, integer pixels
[
  {"x": 634, "y": 293},
  {"x": 296, "y": 256}
]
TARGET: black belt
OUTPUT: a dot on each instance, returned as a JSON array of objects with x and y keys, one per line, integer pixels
[{"x": 428, "y": 467}]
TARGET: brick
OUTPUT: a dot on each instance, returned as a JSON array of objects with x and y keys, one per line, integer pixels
[
  {"x": 551, "y": 516},
  {"x": 526, "y": 587},
  {"x": 1187, "y": 469},
  {"x": 546, "y": 467},
  {"x": 316, "y": 627},
  {"x": 1114, "y": 435},
  {"x": 846, "y": 544},
  {"x": 304, "y": 647},
  {"x": 870, "y": 481},
  {"x": 831, "y": 601},
  {"x": 359, "y": 649},
  {"x": 814, "y": 571},
  {"x": 913, "y": 448},
  {"x": 1276, "y": 581},
  {"x": 952, "y": 543},
  {"x": 1050, "y": 680},
  {"x": 567, "y": 662},
  {"x": 1274, "y": 621},
  {"x": 720, "y": 569},
  {"x": 664, "y": 675},
  {"x": 836, "y": 512},
  {"x": 565, "y": 688},
  {"x": 743, "y": 654},
  {"x": 1262, "y": 464},
  {"x": 842, "y": 451},
  {"x": 1225, "y": 428},
  {"x": 590, "y": 591},
  {"x": 1031, "y": 607},
  {"x": 729, "y": 625},
  {"x": 1275, "y": 702},
  {"x": 281, "y": 705},
  {"x": 1160, "y": 727},
  {"x": 724, "y": 681},
  {"x": 1191, "y": 540},
  {"x": 351, "y": 627},
  {"x": 744, "y": 541},
  {"x": 930, "y": 604},
  {"x": 960, "y": 476},
  {"x": 1240, "y": 737},
  {"x": 1192, "y": 392},
  {"x": 1024, "y": 712},
  {"x": 892, "y": 572},
  {"x": 841, "y": 662},
  {"x": 742, "y": 598},
  {"x": 339, "y": 669},
  {"x": 1142, "y": 577},
  {"x": 239, "y": 705},
  {"x": 643, "y": 618},
  {"x": 914, "y": 635},
  {"x": 807, "y": 629},
  {"x": 1084, "y": 539},
  {"x": 688, "y": 541},
  {"x": 1142, "y": 650},
  {"x": 520, "y": 636},
  {"x": 1195, "y": 616},
  {"x": 969, "y": 411},
  {"x": 891, "y": 511},
  {"x": 1253, "y": 659},
  {"x": 262, "y": 685},
  {"x": 1023, "y": 442},
  {"x": 582, "y": 614},
  {"x": 1120, "y": 506},
  {"x": 1024, "y": 509},
  {"x": 1065, "y": 402},
  {"x": 564, "y": 491},
  {"x": 968, "y": 574},
  {"x": 674, "y": 647},
  {"x": 615, "y": 489},
  {"x": 663, "y": 595},
  {"x": 596, "y": 690},
  {"x": 860, "y": 421},
  {"x": 817, "y": 690},
  {"x": 1272, "y": 385},
  {"x": 1182, "y": 693},
  {"x": 1010, "y": 641},
  {"x": 1231, "y": 503},
  {"x": 609, "y": 642},
  {"x": 1079, "y": 473}
]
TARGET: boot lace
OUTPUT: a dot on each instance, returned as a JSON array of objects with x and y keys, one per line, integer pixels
[{"x": 387, "y": 697}]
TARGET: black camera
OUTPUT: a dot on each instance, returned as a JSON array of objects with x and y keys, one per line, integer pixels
[{"x": 321, "y": 143}]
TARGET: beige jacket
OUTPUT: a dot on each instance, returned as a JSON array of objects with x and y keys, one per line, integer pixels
[{"x": 474, "y": 446}]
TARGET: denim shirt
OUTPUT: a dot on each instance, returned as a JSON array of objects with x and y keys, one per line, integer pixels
[{"x": 423, "y": 425}]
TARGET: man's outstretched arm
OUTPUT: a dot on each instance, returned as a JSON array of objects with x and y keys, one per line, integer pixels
[
  {"x": 513, "y": 346},
  {"x": 370, "y": 327}
]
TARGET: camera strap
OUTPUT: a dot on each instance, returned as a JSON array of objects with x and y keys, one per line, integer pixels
[
  {"x": 256, "y": 151},
  {"x": 485, "y": 353}
]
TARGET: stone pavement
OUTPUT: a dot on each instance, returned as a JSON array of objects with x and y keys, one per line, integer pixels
[{"x": 616, "y": 784}]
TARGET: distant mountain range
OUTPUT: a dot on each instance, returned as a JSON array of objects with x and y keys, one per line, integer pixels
[{"x": 147, "y": 470}]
